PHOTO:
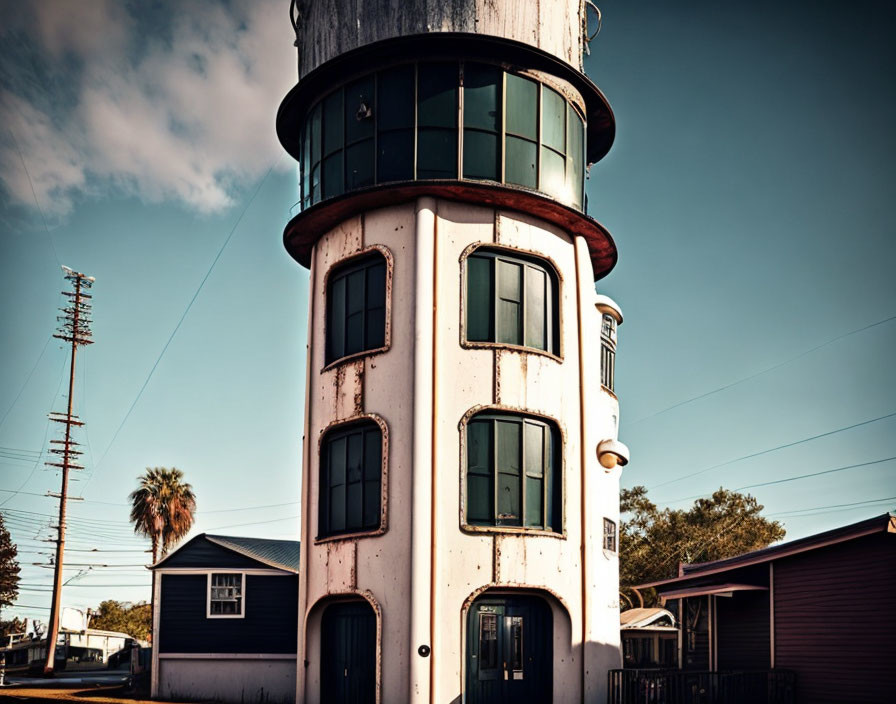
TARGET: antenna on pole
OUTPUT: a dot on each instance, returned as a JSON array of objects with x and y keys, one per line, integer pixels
[{"x": 74, "y": 328}]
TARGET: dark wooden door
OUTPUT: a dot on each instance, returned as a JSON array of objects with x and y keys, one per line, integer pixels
[
  {"x": 509, "y": 651},
  {"x": 348, "y": 654}
]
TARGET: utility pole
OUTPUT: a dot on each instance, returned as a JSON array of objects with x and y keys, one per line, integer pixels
[{"x": 74, "y": 328}]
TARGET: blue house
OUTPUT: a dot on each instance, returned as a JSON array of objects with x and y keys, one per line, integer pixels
[{"x": 225, "y": 620}]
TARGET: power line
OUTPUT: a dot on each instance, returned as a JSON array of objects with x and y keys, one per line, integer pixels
[
  {"x": 773, "y": 449},
  {"x": 791, "y": 479},
  {"x": 179, "y": 323},
  {"x": 27, "y": 379},
  {"x": 801, "y": 512},
  {"x": 764, "y": 371}
]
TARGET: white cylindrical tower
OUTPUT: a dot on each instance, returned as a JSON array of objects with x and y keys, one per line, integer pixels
[{"x": 460, "y": 481}]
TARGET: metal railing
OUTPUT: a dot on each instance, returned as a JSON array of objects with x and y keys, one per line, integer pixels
[{"x": 682, "y": 687}]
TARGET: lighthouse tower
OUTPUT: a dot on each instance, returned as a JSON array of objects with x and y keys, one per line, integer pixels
[{"x": 460, "y": 470}]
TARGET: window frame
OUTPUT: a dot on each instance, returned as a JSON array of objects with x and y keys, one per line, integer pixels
[
  {"x": 573, "y": 154},
  {"x": 608, "y": 352},
  {"x": 610, "y": 537},
  {"x": 335, "y": 269},
  {"x": 208, "y": 594},
  {"x": 554, "y": 327},
  {"x": 366, "y": 419},
  {"x": 558, "y": 482}
]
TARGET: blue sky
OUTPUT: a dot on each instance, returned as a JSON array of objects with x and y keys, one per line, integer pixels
[{"x": 747, "y": 192}]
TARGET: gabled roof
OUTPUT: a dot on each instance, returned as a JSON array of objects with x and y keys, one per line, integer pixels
[
  {"x": 279, "y": 554},
  {"x": 645, "y": 618},
  {"x": 885, "y": 523}
]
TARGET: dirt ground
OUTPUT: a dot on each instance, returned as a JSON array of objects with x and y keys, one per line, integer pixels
[{"x": 91, "y": 694}]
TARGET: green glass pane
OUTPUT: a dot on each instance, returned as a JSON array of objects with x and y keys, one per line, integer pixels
[
  {"x": 336, "y": 455},
  {"x": 355, "y": 283},
  {"x": 522, "y": 107},
  {"x": 395, "y": 99},
  {"x": 315, "y": 183},
  {"x": 479, "y": 447},
  {"x": 436, "y": 153},
  {"x": 554, "y": 487},
  {"x": 360, "y": 110},
  {"x": 534, "y": 439},
  {"x": 437, "y": 95},
  {"x": 315, "y": 134},
  {"x": 332, "y": 171},
  {"x": 510, "y": 280},
  {"x": 480, "y": 499},
  {"x": 359, "y": 164},
  {"x": 355, "y": 462},
  {"x": 508, "y": 441},
  {"x": 373, "y": 454},
  {"x": 481, "y": 155},
  {"x": 534, "y": 502},
  {"x": 509, "y": 323},
  {"x": 371, "y": 503},
  {"x": 536, "y": 330},
  {"x": 337, "y": 510},
  {"x": 509, "y": 513},
  {"x": 354, "y": 333},
  {"x": 482, "y": 93},
  {"x": 520, "y": 165},
  {"x": 575, "y": 164},
  {"x": 480, "y": 299},
  {"x": 336, "y": 320},
  {"x": 553, "y": 175},
  {"x": 375, "y": 328},
  {"x": 553, "y": 119},
  {"x": 354, "y": 513},
  {"x": 376, "y": 284},
  {"x": 332, "y": 122},
  {"x": 395, "y": 157}
]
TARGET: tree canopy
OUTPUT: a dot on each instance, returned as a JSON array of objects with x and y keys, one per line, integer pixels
[
  {"x": 653, "y": 541},
  {"x": 9, "y": 567},
  {"x": 124, "y": 617},
  {"x": 162, "y": 508}
]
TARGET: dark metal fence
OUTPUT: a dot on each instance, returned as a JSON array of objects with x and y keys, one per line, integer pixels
[{"x": 681, "y": 687}]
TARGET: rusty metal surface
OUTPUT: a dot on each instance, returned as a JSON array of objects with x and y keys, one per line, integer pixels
[{"x": 303, "y": 231}]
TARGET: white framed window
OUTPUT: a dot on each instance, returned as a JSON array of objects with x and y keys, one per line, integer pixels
[
  {"x": 610, "y": 535},
  {"x": 226, "y": 595}
]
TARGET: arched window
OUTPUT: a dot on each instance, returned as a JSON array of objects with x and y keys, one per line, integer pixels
[
  {"x": 351, "y": 471},
  {"x": 356, "y": 307},
  {"x": 512, "y": 300},
  {"x": 514, "y": 472}
]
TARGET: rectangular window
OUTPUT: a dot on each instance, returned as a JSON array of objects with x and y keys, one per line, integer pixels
[
  {"x": 351, "y": 479},
  {"x": 609, "y": 535},
  {"x": 225, "y": 594},
  {"x": 356, "y": 307},
  {"x": 512, "y": 301},
  {"x": 395, "y": 125},
  {"x": 437, "y": 121}
]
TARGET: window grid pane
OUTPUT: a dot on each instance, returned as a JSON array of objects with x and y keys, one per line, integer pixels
[
  {"x": 356, "y": 308},
  {"x": 351, "y": 478}
]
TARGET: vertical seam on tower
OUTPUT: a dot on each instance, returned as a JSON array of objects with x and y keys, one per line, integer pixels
[
  {"x": 584, "y": 561},
  {"x": 432, "y": 487}
]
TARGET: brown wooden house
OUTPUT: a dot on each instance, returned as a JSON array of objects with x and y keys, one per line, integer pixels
[{"x": 823, "y": 607}]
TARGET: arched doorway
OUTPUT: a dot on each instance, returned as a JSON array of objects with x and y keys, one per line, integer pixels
[
  {"x": 348, "y": 653},
  {"x": 509, "y": 654}
]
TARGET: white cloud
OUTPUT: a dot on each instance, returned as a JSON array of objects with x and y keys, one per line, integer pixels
[{"x": 187, "y": 114}]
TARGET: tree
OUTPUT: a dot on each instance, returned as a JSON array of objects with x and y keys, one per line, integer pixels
[
  {"x": 162, "y": 508},
  {"x": 124, "y": 617},
  {"x": 652, "y": 541},
  {"x": 9, "y": 567}
]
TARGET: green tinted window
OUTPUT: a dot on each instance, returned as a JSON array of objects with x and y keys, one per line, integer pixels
[
  {"x": 359, "y": 110},
  {"x": 522, "y": 107},
  {"x": 359, "y": 165},
  {"x": 356, "y": 308},
  {"x": 553, "y": 174},
  {"x": 436, "y": 153},
  {"x": 350, "y": 480},
  {"x": 511, "y": 300},
  {"x": 332, "y": 122},
  {"x": 553, "y": 120},
  {"x": 520, "y": 167},
  {"x": 482, "y": 94},
  {"x": 481, "y": 157},
  {"x": 437, "y": 95},
  {"x": 512, "y": 476},
  {"x": 575, "y": 164}
]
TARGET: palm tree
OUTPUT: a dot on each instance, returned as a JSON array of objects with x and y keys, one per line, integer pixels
[{"x": 162, "y": 508}]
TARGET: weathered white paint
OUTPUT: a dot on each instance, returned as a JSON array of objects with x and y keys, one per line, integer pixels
[
  {"x": 231, "y": 679},
  {"x": 337, "y": 26},
  {"x": 423, "y": 570}
]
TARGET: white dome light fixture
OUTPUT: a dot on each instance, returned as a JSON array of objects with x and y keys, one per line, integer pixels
[{"x": 611, "y": 453}]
